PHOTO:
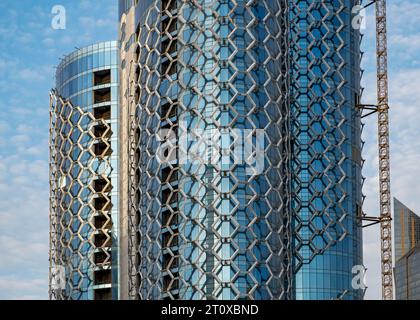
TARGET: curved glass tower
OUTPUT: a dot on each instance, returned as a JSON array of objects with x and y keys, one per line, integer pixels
[
  {"x": 83, "y": 175},
  {"x": 212, "y": 209},
  {"x": 244, "y": 150},
  {"x": 326, "y": 148}
]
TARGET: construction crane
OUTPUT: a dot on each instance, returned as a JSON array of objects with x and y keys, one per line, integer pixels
[
  {"x": 383, "y": 143},
  {"x": 381, "y": 108}
]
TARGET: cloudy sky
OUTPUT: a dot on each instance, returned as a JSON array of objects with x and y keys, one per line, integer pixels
[
  {"x": 29, "y": 50},
  {"x": 404, "y": 92}
]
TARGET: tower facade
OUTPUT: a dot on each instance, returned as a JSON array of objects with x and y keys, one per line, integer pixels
[
  {"x": 84, "y": 261},
  {"x": 326, "y": 187},
  {"x": 211, "y": 225},
  {"x": 407, "y": 252},
  {"x": 406, "y": 229},
  {"x": 244, "y": 150}
]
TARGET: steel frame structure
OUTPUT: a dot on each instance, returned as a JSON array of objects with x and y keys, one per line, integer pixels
[
  {"x": 381, "y": 108},
  {"x": 383, "y": 143}
]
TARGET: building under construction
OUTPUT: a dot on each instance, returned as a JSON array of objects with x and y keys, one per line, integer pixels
[
  {"x": 207, "y": 230},
  {"x": 240, "y": 151}
]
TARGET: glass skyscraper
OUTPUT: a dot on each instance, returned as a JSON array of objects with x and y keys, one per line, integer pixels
[
  {"x": 213, "y": 152},
  {"x": 208, "y": 228},
  {"x": 407, "y": 252},
  {"x": 325, "y": 129},
  {"x": 406, "y": 229},
  {"x": 84, "y": 232},
  {"x": 244, "y": 146},
  {"x": 407, "y": 276}
]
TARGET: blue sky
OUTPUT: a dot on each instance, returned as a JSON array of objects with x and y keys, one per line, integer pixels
[{"x": 29, "y": 50}]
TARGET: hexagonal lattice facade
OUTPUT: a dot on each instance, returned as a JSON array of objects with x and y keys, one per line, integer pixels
[
  {"x": 210, "y": 230},
  {"x": 83, "y": 176},
  {"x": 80, "y": 200},
  {"x": 326, "y": 149}
]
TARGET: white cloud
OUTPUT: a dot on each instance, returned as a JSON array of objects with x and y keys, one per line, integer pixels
[
  {"x": 3, "y": 64},
  {"x": 4, "y": 126},
  {"x": 49, "y": 42},
  {"x": 20, "y": 139},
  {"x": 17, "y": 288}
]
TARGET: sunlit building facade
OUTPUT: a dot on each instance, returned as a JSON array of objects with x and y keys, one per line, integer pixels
[
  {"x": 279, "y": 79},
  {"x": 407, "y": 252},
  {"x": 406, "y": 229},
  {"x": 84, "y": 261}
]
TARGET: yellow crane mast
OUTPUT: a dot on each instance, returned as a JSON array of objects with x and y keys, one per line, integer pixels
[
  {"x": 383, "y": 144},
  {"x": 381, "y": 108}
]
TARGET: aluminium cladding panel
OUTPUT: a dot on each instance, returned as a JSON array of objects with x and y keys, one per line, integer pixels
[
  {"x": 326, "y": 148},
  {"x": 74, "y": 166},
  {"x": 220, "y": 67}
]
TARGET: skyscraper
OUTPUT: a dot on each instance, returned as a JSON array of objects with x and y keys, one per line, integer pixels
[
  {"x": 325, "y": 129},
  {"x": 407, "y": 252},
  {"x": 406, "y": 229},
  {"x": 84, "y": 231},
  {"x": 215, "y": 86},
  {"x": 207, "y": 228}
]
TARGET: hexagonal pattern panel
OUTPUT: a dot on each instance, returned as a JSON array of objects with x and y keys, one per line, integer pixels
[
  {"x": 207, "y": 230},
  {"x": 80, "y": 219},
  {"x": 326, "y": 146}
]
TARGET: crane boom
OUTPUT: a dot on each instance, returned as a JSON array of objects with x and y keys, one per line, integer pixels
[{"x": 383, "y": 143}]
